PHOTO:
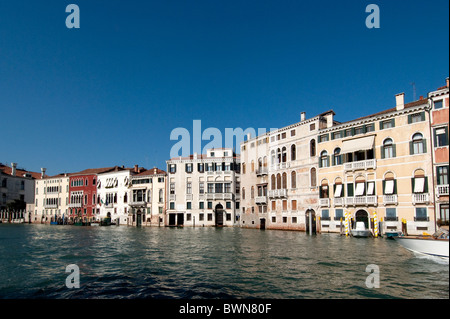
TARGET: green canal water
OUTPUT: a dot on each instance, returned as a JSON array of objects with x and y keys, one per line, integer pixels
[{"x": 125, "y": 262}]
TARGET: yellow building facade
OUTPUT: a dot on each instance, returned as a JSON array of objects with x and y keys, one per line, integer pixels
[{"x": 378, "y": 169}]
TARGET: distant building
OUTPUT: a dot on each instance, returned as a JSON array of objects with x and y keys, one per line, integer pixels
[
  {"x": 51, "y": 198},
  {"x": 16, "y": 187},
  {"x": 147, "y": 198},
  {"x": 83, "y": 195},
  {"x": 439, "y": 106},
  {"x": 203, "y": 189}
]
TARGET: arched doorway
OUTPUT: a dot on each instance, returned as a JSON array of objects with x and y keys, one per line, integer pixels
[
  {"x": 219, "y": 215},
  {"x": 312, "y": 213},
  {"x": 138, "y": 218},
  {"x": 362, "y": 216}
]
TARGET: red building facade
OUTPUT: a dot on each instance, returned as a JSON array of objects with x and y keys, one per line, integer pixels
[{"x": 83, "y": 195}]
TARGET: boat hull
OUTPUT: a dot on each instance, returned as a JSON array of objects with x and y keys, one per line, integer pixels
[
  {"x": 361, "y": 233},
  {"x": 427, "y": 246}
]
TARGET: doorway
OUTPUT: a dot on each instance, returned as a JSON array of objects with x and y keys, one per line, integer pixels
[
  {"x": 262, "y": 223},
  {"x": 362, "y": 216},
  {"x": 219, "y": 215}
]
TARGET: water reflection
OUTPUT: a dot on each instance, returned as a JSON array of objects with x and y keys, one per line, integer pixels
[{"x": 121, "y": 262}]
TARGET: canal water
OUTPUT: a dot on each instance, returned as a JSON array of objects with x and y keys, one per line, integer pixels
[{"x": 125, "y": 262}]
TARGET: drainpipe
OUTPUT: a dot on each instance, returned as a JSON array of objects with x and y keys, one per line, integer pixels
[{"x": 428, "y": 109}]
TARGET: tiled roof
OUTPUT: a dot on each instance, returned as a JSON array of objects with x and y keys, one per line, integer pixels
[
  {"x": 152, "y": 172},
  {"x": 19, "y": 172}
]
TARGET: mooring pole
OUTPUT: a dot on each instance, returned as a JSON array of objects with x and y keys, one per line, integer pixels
[{"x": 310, "y": 223}]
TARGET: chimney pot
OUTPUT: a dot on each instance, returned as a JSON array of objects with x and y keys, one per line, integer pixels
[
  {"x": 13, "y": 169},
  {"x": 400, "y": 101},
  {"x": 136, "y": 168},
  {"x": 43, "y": 169},
  {"x": 302, "y": 116}
]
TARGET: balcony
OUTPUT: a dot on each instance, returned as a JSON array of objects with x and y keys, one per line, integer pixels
[
  {"x": 324, "y": 202},
  {"x": 261, "y": 171},
  {"x": 138, "y": 203},
  {"x": 280, "y": 166},
  {"x": 109, "y": 205},
  {"x": 420, "y": 198},
  {"x": 75, "y": 205},
  {"x": 442, "y": 190},
  {"x": 361, "y": 201},
  {"x": 219, "y": 196},
  {"x": 261, "y": 200},
  {"x": 50, "y": 205},
  {"x": 278, "y": 193},
  {"x": 189, "y": 196},
  {"x": 339, "y": 201},
  {"x": 390, "y": 199},
  {"x": 361, "y": 165},
  {"x": 172, "y": 197}
]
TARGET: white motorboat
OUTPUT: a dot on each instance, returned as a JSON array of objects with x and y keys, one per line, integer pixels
[
  {"x": 360, "y": 230},
  {"x": 435, "y": 245}
]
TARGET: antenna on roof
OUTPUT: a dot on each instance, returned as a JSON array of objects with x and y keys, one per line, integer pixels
[{"x": 414, "y": 90}]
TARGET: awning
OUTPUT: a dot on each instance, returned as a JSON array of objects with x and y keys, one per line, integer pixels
[
  {"x": 370, "y": 188},
  {"x": 419, "y": 184},
  {"x": 359, "y": 189},
  {"x": 338, "y": 191},
  {"x": 358, "y": 144}
]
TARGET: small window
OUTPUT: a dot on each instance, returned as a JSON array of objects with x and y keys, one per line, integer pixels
[
  {"x": 388, "y": 148},
  {"x": 417, "y": 145},
  {"x": 438, "y": 104},
  {"x": 440, "y": 137}
]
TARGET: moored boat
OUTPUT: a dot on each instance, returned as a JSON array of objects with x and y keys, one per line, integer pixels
[
  {"x": 360, "y": 231},
  {"x": 435, "y": 245}
]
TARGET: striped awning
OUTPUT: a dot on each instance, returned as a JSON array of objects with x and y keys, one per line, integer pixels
[{"x": 358, "y": 144}]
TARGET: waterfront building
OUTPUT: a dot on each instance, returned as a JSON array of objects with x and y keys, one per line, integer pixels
[
  {"x": 147, "y": 198},
  {"x": 16, "y": 191},
  {"x": 279, "y": 176},
  {"x": 203, "y": 190},
  {"x": 83, "y": 195},
  {"x": 378, "y": 167},
  {"x": 112, "y": 194},
  {"x": 439, "y": 109},
  {"x": 51, "y": 198}
]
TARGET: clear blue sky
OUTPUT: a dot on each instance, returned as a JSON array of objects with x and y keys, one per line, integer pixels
[{"x": 111, "y": 92}]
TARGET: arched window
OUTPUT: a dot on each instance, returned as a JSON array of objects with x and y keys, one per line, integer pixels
[
  {"x": 284, "y": 181},
  {"x": 252, "y": 192},
  {"x": 293, "y": 152},
  {"x": 260, "y": 163},
  {"x": 337, "y": 157},
  {"x": 278, "y": 181},
  {"x": 293, "y": 180},
  {"x": 273, "y": 184},
  {"x": 243, "y": 168},
  {"x": 243, "y": 192},
  {"x": 283, "y": 155},
  {"x": 272, "y": 154},
  {"x": 253, "y": 166},
  {"x": 388, "y": 148},
  {"x": 278, "y": 156},
  {"x": 324, "y": 159},
  {"x": 313, "y": 177},
  {"x": 265, "y": 161},
  {"x": 417, "y": 145},
  {"x": 312, "y": 148}
]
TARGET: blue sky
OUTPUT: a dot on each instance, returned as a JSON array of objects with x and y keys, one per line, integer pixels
[{"x": 111, "y": 92}]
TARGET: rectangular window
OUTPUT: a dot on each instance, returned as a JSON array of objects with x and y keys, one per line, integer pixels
[
  {"x": 172, "y": 188},
  {"x": 172, "y": 205},
  {"x": 274, "y": 205},
  {"x": 274, "y": 219},
  {"x": 338, "y": 214},
  {"x": 419, "y": 184},
  {"x": 421, "y": 214},
  {"x": 387, "y": 124},
  {"x": 228, "y": 205},
  {"x": 201, "y": 188},
  {"x": 209, "y": 205},
  {"x": 284, "y": 204},
  {"x": 391, "y": 214},
  {"x": 359, "y": 130},
  {"x": 440, "y": 137},
  {"x": 201, "y": 217},
  {"x": 389, "y": 187},
  {"x": 189, "y": 188},
  {"x": 325, "y": 214},
  {"x": 294, "y": 220},
  {"x": 336, "y": 135},
  {"x": 294, "y": 205},
  {"x": 438, "y": 104},
  {"x": 417, "y": 117},
  {"x": 442, "y": 175},
  {"x": 323, "y": 138},
  {"x": 227, "y": 187},
  {"x": 443, "y": 214},
  {"x": 188, "y": 217},
  {"x": 209, "y": 217},
  {"x": 210, "y": 188},
  {"x": 284, "y": 219},
  {"x": 292, "y": 132},
  {"x": 201, "y": 205},
  {"x": 189, "y": 168},
  {"x": 188, "y": 205}
]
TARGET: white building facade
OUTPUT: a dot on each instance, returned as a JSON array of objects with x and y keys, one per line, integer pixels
[{"x": 203, "y": 190}]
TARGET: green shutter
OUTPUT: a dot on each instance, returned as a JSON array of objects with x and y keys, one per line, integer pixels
[
  {"x": 382, "y": 152},
  {"x": 353, "y": 131},
  {"x": 328, "y": 160},
  {"x": 422, "y": 116},
  {"x": 393, "y": 122},
  {"x": 395, "y": 186},
  {"x": 381, "y": 125},
  {"x": 411, "y": 148},
  {"x": 320, "y": 162},
  {"x": 424, "y": 145},
  {"x": 384, "y": 185},
  {"x": 425, "y": 188},
  {"x": 350, "y": 189},
  {"x": 409, "y": 118},
  {"x": 412, "y": 185},
  {"x": 394, "y": 150}
]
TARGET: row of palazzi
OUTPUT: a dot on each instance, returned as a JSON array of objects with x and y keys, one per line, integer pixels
[{"x": 389, "y": 167}]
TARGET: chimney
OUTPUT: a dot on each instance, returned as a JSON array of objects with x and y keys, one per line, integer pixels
[
  {"x": 400, "y": 101},
  {"x": 446, "y": 80},
  {"x": 421, "y": 97},
  {"x": 136, "y": 168},
  {"x": 43, "y": 172},
  {"x": 13, "y": 169},
  {"x": 155, "y": 171},
  {"x": 302, "y": 116}
]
